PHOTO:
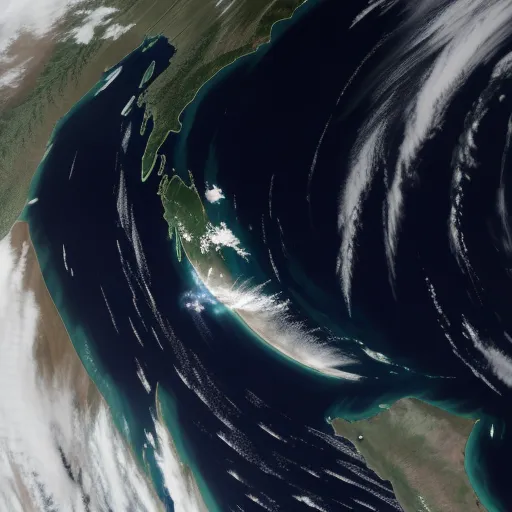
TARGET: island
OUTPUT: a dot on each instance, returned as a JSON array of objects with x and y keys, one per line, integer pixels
[
  {"x": 197, "y": 239},
  {"x": 419, "y": 448}
]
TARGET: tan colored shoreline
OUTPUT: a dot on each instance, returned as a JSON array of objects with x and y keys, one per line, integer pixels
[
  {"x": 57, "y": 361},
  {"x": 60, "y": 370}
]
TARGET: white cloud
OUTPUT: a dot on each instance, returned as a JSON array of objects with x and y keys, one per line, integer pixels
[
  {"x": 39, "y": 420},
  {"x": 377, "y": 356},
  {"x": 373, "y": 4},
  {"x": 445, "y": 323},
  {"x": 126, "y": 136},
  {"x": 501, "y": 204},
  {"x": 41, "y": 18},
  {"x": 221, "y": 236},
  {"x": 178, "y": 479},
  {"x": 115, "y": 31},
  {"x": 142, "y": 377},
  {"x": 310, "y": 503},
  {"x": 236, "y": 476},
  {"x": 214, "y": 194},
  {"x": 37, "y": 18},
  {"x": 270, "y": 317},
  {"x": 126, "y": 215},
  {"x": 84, "y": 33},
  {"x": 499, "y": 363},
  {"x": 466, "y": 35},
  {"x": 12, "y": 77},
  {"x": 269, "y": 431},
  {"x": 362, "y": 167},
  {"x": 188, "y": 237}
]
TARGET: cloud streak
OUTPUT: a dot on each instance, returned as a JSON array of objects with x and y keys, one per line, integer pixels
[
  {"x": 499, "y": 363},
  {"x": 440, "y": 44},
  {"x": 271, "y": 318}
]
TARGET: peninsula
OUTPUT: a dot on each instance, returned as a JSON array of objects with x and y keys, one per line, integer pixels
[
  {"x": 419, "y": 448},
  {"x": 52, "y": 70}
]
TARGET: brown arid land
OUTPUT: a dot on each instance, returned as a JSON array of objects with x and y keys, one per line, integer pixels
[
  {"x": 56, "y": 360},
  {"x": 420, "y": 449},
  {"x": 57, "y": 430}
]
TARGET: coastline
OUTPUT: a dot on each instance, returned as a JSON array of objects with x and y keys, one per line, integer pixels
[
  {"x": 62, "y": 378},
  {"x": 204, "y": 37},
  {"x": 421, "y": 449},
  {"x": 145, "y": 173},
  {"x": 247, "y": 322},
  {"x": 214, "y": 62},
  {"x": 266, "y": 318},
  {"x": 185, "y": 473}
]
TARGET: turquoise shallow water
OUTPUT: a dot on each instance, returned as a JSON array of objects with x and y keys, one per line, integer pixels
[{"x": 80, "y": 326}]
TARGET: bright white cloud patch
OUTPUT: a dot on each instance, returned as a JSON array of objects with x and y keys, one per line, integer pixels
[
  {"x": 373, "y": 4},
  {"x": 37, "y": 18},
  {"x": 115, "y": 31},
  {"x": 270, "y": 432},
  {"x": 358, "y": 183},
  {"x": 214, "y": 194},
  {"x": 84, "y": 33},
  {"x": 40, "y": 19},
  {"x": 142, "y": 377},
  {"x": 221, "y": 236},
  {"x": 14, "y": 76},
  {"x": 310, "y": 503},
  {"x": 178, "y": 479},
  {"x": 499, "y": 363}
]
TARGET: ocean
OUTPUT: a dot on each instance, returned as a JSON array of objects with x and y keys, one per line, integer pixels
[{"x": 272, "y": 133}]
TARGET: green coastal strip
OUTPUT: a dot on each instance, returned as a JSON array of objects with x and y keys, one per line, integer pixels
[{"x": 174, "y": 91}]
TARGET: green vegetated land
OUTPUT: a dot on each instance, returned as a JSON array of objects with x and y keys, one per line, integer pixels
[
  {"x": 211, "y": 42},
  {"x": 207, "y": 37},
  {"x": 419, "y": 448},
  {"x": 188, "y": 226}
]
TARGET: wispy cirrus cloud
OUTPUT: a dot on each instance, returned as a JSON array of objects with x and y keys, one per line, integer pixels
[
  {"x": 440, "y": 44},
  {"x": 499, "y": 363}
]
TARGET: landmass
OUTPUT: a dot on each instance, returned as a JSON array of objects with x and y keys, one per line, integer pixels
[
  {"x": 49, "y": 73},
  {"x": 53, "y": 398},
  {"x": 196, "y": 238},
  {"x": 56, "y": 361},
  {"x": 419, "y": 448},
  {"x": 178, "y": 475}
]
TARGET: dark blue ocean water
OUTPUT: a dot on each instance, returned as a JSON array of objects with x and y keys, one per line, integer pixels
[{"x": 255, "y": 127}]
